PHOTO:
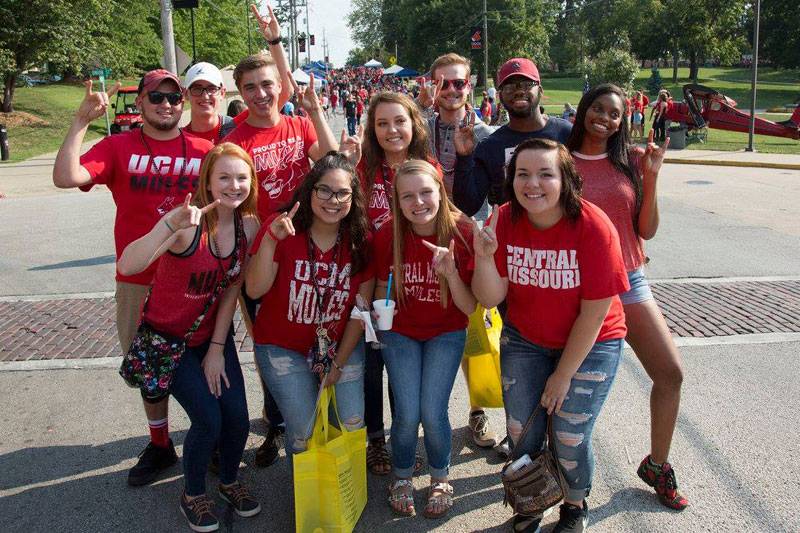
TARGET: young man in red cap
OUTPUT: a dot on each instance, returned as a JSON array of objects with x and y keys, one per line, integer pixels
[
  {"x": 149, "y": 171},
  {"x": 479, "y": 170}
]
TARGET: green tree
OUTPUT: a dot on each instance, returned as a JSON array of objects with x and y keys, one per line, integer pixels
[
  {"x": 220, "y": 31},
  {"x": 615, "y": 66},
  {"x": 778, "y": 35}
]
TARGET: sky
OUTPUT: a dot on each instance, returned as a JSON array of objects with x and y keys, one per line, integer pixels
[{"x": 330, "y": 15}]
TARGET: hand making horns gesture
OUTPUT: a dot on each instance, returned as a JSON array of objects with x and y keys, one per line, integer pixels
[
  {"x": 430, "y": 92},
  {"x": 94, "y": 104},
  {"x": 444, "y": 259},
  {"x": 464, "y": 138},
  {"x": 281, "y": 226},
  {"x": 653, "y": 157},
  {"x": 350, "y": 146},
  {"x": 267, "y": 24},
  {"x": 484, "y": 241},
  {"x": 306, "y": 96},
  {"x": 188, "y": 215}
]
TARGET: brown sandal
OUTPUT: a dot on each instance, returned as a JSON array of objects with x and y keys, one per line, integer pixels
[
  {"x": 402, "y": 491},
  {"x": 378, "y": 460},
  {"x": 440, "y": 494}
]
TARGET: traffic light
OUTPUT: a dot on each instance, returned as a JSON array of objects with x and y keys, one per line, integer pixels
[
  {"x": 302, "y": 42},
  {"x": 185, "y": 4},
  {"x": 312, "y": 39}
]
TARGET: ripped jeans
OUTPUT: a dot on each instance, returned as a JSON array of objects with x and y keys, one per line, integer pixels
[
  {"x": 525, "y": 368},
  {"x": 289, "y": 378}
]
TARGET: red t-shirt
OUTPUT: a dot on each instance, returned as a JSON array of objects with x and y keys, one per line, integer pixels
[
  {"x": 550, "y": 271},
  {"x": 612, "y": 191},
  {"x": 280, "y": 155},
  {"x": 212, "y": 135},
  {"x": 143, "y": 191},
  {"x": 421, "y": 315},
  {"x": 182, "y": 286},
  {"x": 628, "y": 110},
  {"x": 379, "y": 203},
  {"x": 645, "y": 100},
  {"x": 359, "y": 107},
  {"x": 289, "y": 310}
]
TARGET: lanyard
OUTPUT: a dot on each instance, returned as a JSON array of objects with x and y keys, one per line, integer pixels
[
  {"x": 150, "y": 152},
  {"x": 323, "y": 296}
]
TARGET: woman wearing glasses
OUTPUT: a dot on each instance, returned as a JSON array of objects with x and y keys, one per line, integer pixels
[{"x": 309, "y": 263}]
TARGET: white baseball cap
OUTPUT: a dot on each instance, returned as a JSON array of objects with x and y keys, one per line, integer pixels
[{"x": 203, "y": 71}]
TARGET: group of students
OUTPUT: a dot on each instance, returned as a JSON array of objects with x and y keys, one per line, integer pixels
[{"x": 562, "y": 257}]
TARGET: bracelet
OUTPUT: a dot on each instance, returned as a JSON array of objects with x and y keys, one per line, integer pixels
[
  {"x": 217, "y": 343},
  {"x": 269, "y": 232},
  {"x": 340, "y": 369},
  {"x": 276, "y": 40},
  {"x": 166, "y": 222}
]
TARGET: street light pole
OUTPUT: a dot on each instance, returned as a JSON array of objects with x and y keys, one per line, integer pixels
[
  {"x": 168, "y": 37},
  {"x": 247, "y": 21},
  {"x": 750, "y": 147},
  {"x": 485, "y": 49}
]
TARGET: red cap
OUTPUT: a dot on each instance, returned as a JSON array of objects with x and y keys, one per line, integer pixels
[
  {"x": 518, "y": 66},
  {"x": 152, "y": 79}
]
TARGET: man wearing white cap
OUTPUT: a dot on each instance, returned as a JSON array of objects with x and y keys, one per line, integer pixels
[{"x": 205, "y": 90}]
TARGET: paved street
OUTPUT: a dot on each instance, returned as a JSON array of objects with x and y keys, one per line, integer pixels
[{"x": 725, "y": 269}]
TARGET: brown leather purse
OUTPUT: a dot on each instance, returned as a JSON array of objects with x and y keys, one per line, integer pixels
[{"x": 538, "y": 485}]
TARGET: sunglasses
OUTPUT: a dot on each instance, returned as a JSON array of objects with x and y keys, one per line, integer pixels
[
  {"x": 456, "y": 84},
  {"x": 156, "y": 97},
  {"x": 513, "y": 86},
  {"x": 198, "y": 91}
]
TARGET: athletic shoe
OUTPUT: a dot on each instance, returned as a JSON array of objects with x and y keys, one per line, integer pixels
[
  {"x": 662, "y": 478},
  {"x": 573, "y": 519},
  {"x": 239, "y": 498},
  {"x": 504, "y": 449},
  {"x": 526, "y": 524},
  {"x": 482, "y": 435},
  {"x": 152, "y": 460},
  {"x": 267, "y": 453},
  {"x": 199, "y": 513}
]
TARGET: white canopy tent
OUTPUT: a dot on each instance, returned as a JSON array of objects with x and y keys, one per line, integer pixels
[
  {"x": 302, "y": 77},
  {"x": 394, "y": 69},
  {"x": 373, "y": 63}
]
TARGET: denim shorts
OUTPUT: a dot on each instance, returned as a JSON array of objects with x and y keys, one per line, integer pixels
[{"x": 640, "y": 289}]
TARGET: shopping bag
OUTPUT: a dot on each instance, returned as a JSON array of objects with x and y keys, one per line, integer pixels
[
  {"x": 482, "y": 350},
  {"x": 330, "y": 477}
]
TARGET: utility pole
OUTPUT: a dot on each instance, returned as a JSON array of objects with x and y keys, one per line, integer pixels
[
  {"x": 168, "y": 37},
  {"x": 247, "y": 21},
  {"x": 308, "y": 37},
  {"x": 485, "y": 49},
  {"x": 750, "y": 147}
]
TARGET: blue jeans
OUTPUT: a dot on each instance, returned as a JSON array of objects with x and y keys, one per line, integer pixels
[
  {"x": 422, "y": 374},
  {"x": 295, "y": 388},
  {"x": 525, "y": 368},
  {"x": 351, "y": 125},
  {"x": 222, "y": 420}
]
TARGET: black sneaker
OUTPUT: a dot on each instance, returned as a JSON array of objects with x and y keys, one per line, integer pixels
[
  {"x": 152, "y": 461},
  {"x": 239, "y": 498},
  {"x": 267, "y": 453},
  {"x": 573, "y": 519},
  {"x": 199, "y": 513},
  {"x": 504, "y": 449},
  {"x": 526, "y": 524}
]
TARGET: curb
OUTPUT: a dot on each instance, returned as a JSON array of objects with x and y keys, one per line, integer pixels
[{"x": 742, "y": 164}]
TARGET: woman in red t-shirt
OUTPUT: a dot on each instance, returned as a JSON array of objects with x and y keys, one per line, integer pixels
[
  {"x": 199, "y": 243},
  {"x": 622, "y": 181},
  {"x": 555, "y": 259},
  {"x": 427, "y": 246},
  {"x": 309, "y": 264}
]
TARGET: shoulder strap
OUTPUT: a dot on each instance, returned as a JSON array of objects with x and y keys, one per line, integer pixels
[{"x": 548, "y": 434}]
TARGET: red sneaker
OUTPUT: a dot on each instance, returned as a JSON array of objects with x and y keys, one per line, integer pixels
[{"x": 662, "y": 478}]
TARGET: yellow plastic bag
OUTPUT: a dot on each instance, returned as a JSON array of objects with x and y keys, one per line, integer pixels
[
  {"x": 482, "y": 350},
  {"x": 330, "y": 477}
]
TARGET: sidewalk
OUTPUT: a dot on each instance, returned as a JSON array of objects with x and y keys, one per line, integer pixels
[{"x": 739, "y": 158}]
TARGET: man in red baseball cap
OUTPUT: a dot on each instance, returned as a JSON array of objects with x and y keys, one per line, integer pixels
[
  {"x": 480, "y": 172},
  {"x": 149, "y": 171}
]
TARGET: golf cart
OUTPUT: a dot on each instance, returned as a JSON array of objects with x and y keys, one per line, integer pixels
[{"x": 126, "y": 115}]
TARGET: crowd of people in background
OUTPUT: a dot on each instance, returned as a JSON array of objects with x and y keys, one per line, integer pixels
[{"x": 502, "y": 205}]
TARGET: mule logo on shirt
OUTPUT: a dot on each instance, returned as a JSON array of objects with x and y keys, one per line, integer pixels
[
  {"x": 303, "y": 307},
  {"x": 546, "y": 269},
  {"x": 163, "y": 174},
  {"x": 278, "y": 157},
  {"x": 201, "y": 284}
]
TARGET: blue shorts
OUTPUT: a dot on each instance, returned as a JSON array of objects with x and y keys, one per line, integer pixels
[{"x": 640, "y": 289}]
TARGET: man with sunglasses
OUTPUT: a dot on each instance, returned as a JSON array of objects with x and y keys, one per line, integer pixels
[
  {"x": 149, "y": 171},
  {"x": 205, "y": 91},
  {"x": 480, "y": 170}
]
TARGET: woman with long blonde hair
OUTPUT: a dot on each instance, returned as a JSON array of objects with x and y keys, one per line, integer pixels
[{"x": 428, "y": 247}]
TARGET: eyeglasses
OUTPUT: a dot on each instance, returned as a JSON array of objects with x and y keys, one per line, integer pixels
[
  {"x": 324, "y": 193},
  {"x": 156, "y": 97},
  {"x": 199, "y": 91},
  {"x": 513, "y": 86},
  {"x": 456, "y": 84}
]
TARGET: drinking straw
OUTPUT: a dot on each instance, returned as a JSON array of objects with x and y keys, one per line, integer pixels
[{"x": 389, "y": 286}]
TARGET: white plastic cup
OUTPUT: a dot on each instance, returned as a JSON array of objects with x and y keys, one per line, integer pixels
[{"x": 385, "y": 313}]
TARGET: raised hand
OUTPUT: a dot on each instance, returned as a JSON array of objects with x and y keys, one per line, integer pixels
[
  {"x": 188, "y": 215},
  {"x": 268, "y": 24},
  {"x": 307, "y": 96},
  {"x": 282, "y": 226},
  {"x": 94, "y": 104},
  {"x": 444, "y": 260},
  {"x": 653, "y": 157},
  {"x": 430, "y": 92},
  {"x": 350, "y": 146},
  {"x": 464, "y": 138},
  {"x": 484, "y": 240}
]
